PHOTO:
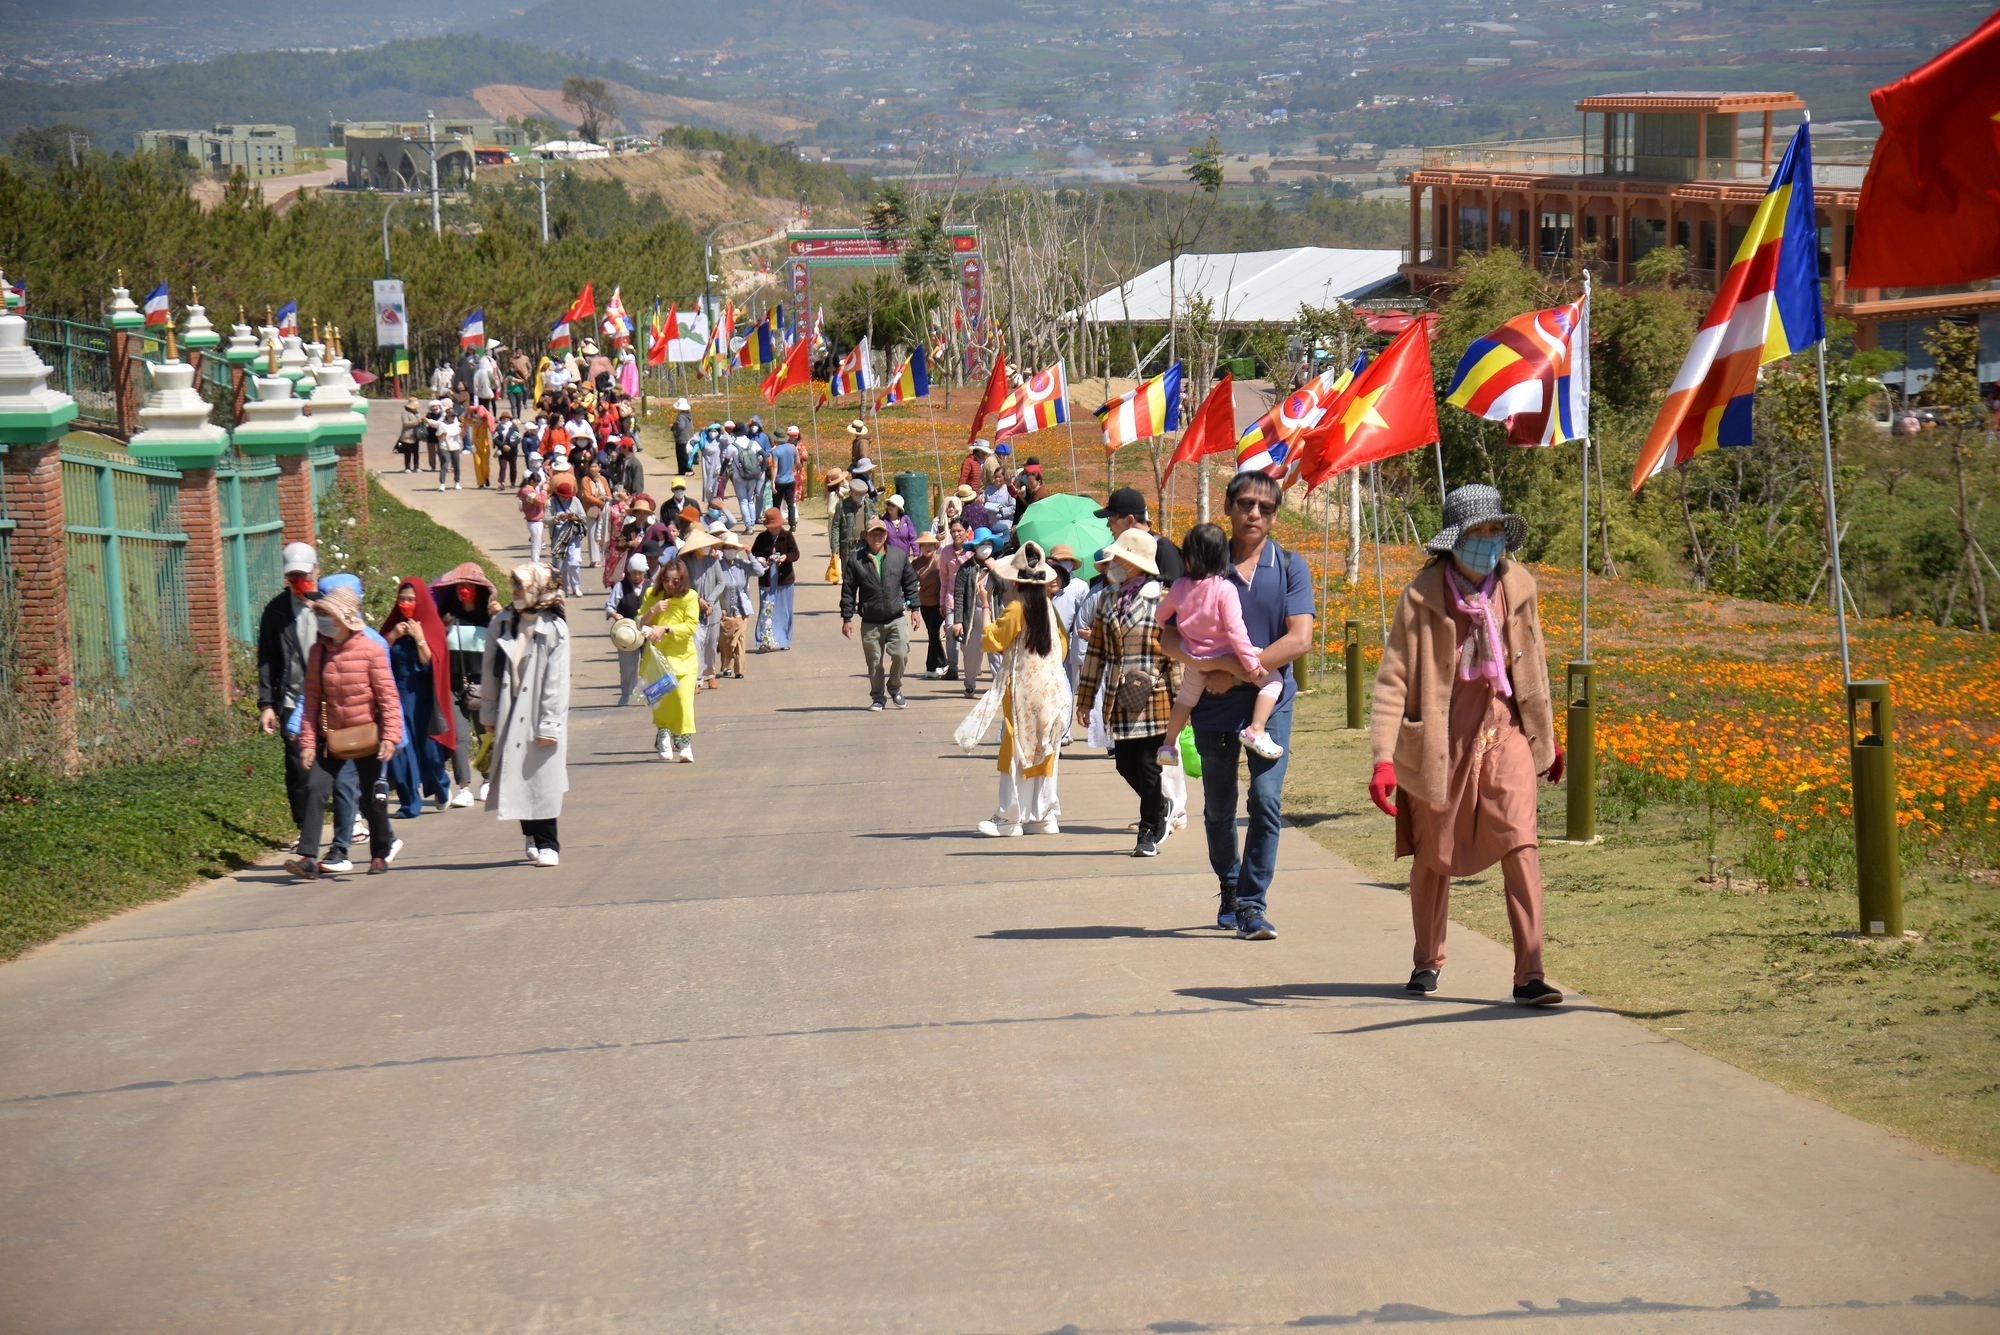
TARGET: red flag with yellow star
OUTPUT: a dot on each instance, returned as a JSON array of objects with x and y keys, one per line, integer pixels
[{"x": 1389, "y": 409}]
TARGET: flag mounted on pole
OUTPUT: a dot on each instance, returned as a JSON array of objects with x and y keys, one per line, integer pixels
[
  {"x": 1270, "y": 444},
  {"x": 617, "y": 325},
  {"x": 472, "y": 334},
  {"x": 559, "y": 335},
  {"x": 1213, "y": 430},
  {"x": 796, "y": 369},
  {"x": 1766, "y": 309},
  {"x": 990, "y": 401},
  {"x": 1144, "y": 411},
  {"x": 584, "y": 306},
  {"x": 657, "y": 339},
  {"x": 1389, "y": 408},
  {"x": 911, "y": 381},
  {"x": 1041, "y": 402},
  {"x": 716, "y": 354},
  {"x": 851, "y": 376},
  {"x": 1533, "y": 373},
  {"x": 759, "y": 349},
  {"x": 159, "y": 306},
  {"x": 288, "y": 318}
]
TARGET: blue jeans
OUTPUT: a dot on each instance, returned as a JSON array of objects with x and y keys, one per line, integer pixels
[{"x": 1251, "y": 874}]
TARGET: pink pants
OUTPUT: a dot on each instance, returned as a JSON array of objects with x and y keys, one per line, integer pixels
[{"x": 1430, "y": 910}]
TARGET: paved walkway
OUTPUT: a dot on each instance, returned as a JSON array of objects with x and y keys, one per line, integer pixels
[{"x": 781, "y": 1046}]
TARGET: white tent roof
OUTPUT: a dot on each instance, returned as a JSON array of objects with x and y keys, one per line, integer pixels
[{"x": 1252, "y": 287}]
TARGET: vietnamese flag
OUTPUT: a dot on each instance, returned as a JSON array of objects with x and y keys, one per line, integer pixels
[
  {"x": 995, "y": 395},
  {"x": 1930, "y": 204},
  {"x": 1389, "y": 409},
  {"x": 1213, "y": 430},
  {"x": 794, "y": 370},
  {"x": 584, "y": 307}
]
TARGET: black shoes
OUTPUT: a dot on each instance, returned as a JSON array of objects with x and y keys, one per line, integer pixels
[
  {"x": 1423, "y": 981},
  {"x": 1148, "y": 846},
  {"x": 1535, "y": 992}
]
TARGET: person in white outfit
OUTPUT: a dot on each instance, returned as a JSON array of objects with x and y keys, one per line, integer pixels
[{"x": 1035, "y": 701}]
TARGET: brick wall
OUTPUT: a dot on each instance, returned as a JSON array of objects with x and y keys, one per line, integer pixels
[
  {"x": 35, "y": 503},
  {"x": 354, "y": 477},
  {"x": 295, "y": 497},
  {"x": 208, "y": 609}
]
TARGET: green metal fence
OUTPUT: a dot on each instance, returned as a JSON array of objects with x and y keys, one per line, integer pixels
[
  {"x": 126, "y": 552},
  {"x": 252, "y": 537},
  {"x": 79, "y": 357}
]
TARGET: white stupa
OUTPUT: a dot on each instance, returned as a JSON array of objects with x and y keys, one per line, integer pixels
[
  {"x": 292, "y": 358},
  {"x": 275, "y": 421},
  {"x": 176, "y": 428},
  {"x": 30, "y": 412},
  {"x": 339, "y": 415},
  {"x": 242, "y": 349},
  {"x": 199, "y": 333}
]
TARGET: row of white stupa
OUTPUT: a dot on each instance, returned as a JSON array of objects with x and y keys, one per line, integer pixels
[{"x": 175, "y": 417}]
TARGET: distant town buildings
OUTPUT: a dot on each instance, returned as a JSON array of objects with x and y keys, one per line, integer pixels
[
  {"x": 260, "y": 150},
  {"x": 396, "y": 155}
]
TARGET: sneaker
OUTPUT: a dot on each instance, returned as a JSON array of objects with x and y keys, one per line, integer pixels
[
  {"x": 336, "y": 868},
  {"x": 1048, "y": 826},
  {"x": 1252, "y": 926},
  {"x": 1261, "y": 743},
  {"x": 299, "y": 867},
  {"x": 395, "y": 847},
  {"x": 548, "y": 857},
  {"x": 663, "y": 745},
  {"x": 1165, "y": 830},
  {"x": 482, "y": 790},
  {"x": 377, "y": 866},
  {"x": 529, "y": 850},
  {"x": 461, "y": 798},
  {"x": 898, "y": 701},
  {"x": 1423, "y": 981},
  {"x": 1225, "y": 911},
  {"x": 458, "y": 486},
  {"x": 1535, "y": 992},
  {"x": 687, "y": 754},
  {"x": 876, "y": 706},
  {"x": 1147, "y": 847},
  {"x": 995, "y": 829}
]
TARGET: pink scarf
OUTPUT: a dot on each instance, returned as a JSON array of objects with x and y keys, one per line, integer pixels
[{"x": 1480, "y": 653}]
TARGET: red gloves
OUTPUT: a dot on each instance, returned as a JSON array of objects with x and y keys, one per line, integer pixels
[
  {"x": 1556, "y": 769},
  {"x": 1382, "y": 787}
]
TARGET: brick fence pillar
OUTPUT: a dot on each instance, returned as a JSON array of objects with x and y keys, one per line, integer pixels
[
  {"x": 295, "y": 497},
  {"x": 352, "y": 475},
  {"x": 207, "y": 587},
  {"x": 41, "y": 587},
  {"x": 125, "y": 387}
]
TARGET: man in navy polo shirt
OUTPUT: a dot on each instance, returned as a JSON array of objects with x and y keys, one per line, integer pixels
[{"x": 1276, "y": 589}]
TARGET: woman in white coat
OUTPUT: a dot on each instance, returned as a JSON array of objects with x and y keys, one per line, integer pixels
[{"x": 524, "y": 700}]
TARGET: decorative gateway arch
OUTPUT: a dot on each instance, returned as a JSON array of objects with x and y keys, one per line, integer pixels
[{"x": 808, "y": 249}]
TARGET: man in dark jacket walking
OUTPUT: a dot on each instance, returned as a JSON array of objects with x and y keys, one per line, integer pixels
[
  {"x": 285, "y": 631},
  {"x": 627, "y": 470},
  {"x": 683, "y": 429},
  {"x": 878, "y": 582}
]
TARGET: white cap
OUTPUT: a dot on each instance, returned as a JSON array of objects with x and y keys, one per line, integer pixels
[
  {"x": 636, "y": 561},
  {"x": 300, "y": 558}
]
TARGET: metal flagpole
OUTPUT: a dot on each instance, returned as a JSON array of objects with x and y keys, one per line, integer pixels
[
  {"x": 1585, "y": 656},
  {"x": 1440, "y": 457},
  {"x": 1832, "y": 526},
  {"x": 1325, "y": 561},
  {"x": 937, "y": 451},
  {"x": 1069, "y": 416},
  {"x": 1381, "y": 589}
]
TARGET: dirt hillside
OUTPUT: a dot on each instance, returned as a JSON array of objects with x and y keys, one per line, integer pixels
[{"x": 645, "y": 112}]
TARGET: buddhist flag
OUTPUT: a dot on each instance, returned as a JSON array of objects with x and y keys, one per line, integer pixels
[
  {"x": 796, "y": 369},
  {"x": 1041, "y": 402},
  {"x": 758, "y": 349},
  {"x": 990, "y": 401},
  {"x": 1270, "y": 444},
  {"x": 1144, "y": 411},
  {"x": 1767, "y": 308},
  {"x": 159, "y": 306},
  {"x": 1533, "y": 373},
  {"x": 716, "y": 354},
  {"x": 911, "y": 381},
  {"x": 617, "y": 325},
  {"x": 1213, "y": 430},
  {"x": 472, "y": 334},
  {"x": 851, "y": 376},
  {"x": 1388, "y": 409}
]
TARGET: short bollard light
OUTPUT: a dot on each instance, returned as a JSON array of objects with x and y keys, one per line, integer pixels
[
  {"x": 1353, "y": 674},
  {"x": 1580, "y": 768},
  {"x": 1871, "y": 752}
]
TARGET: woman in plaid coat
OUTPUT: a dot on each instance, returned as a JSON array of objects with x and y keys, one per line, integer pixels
[{"x": 1139, "y": 681}]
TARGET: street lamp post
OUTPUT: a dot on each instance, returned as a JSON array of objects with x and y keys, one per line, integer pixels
[
  {"x": 430, "y": 139},
  {"x": 541, "y": 183},
  {"x": 387, "y": 272}
]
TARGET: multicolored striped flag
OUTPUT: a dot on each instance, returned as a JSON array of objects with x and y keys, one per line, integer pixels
[
  {"x": 1533, "y": 373},
  {"x": 1269, "y": 445},
  {"x": 472, "y": 334},
  {"x": 1041, "y": 402},
  {"x": 1143, "y": 411},
  {"x": 617, "y": 325},
  {"x": 559, "y": 335},
  {"x": 759, "y": 349},
  {"x": 851, "y": 376},
  {"x": 1766, "y": 309},
  {"x": 716, "y": 355},
  {"x": 911, "y": 381}
]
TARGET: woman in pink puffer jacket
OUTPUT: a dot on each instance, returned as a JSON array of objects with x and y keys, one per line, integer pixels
[{"x": 348, "y": 685}]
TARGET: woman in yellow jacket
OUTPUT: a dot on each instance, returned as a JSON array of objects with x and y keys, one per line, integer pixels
[
  {"x": 1035, "y": 705},
  {"x": 670, "y": 614}
]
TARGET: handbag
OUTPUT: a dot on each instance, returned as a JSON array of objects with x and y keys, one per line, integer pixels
[{"x": 1134, "y": 691}]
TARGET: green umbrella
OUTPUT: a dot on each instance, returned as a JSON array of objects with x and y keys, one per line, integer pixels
[{"x": 1064, "y": 518}]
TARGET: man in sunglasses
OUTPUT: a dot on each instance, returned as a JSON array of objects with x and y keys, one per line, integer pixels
[
  {"x": 1126, "y": 508},
  {"x": 1276, "y": 591}
]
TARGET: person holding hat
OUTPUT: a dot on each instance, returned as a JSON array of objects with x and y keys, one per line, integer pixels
[
  {"x": 683, "y": 430},
  {"x": 622, "y": 603},
  {"x": 352, "y": 716},
  {"x": 778, "y": 548},
  {"x": 1125, "y": 660},
  {"x": 1462, "y": 724},
  {"x": 879, "y": 585},
  {"x": 671, "y": 615},
  {"x": 524, "y": 700},
  {"x": 1035, "y": 701},
  {"x": 1126, "y": 509}
]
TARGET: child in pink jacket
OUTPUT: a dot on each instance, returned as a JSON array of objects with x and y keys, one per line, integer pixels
[{"x": 1209, "y": 615}]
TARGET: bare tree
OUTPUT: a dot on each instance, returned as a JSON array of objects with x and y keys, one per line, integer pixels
[{"x": 595, "y": 107}]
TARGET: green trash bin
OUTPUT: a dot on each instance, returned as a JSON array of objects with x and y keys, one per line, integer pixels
[{"x": 915, "y": 489}]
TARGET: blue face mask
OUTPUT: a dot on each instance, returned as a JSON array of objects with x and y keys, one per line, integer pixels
[{"x": 1480, "y": 555}]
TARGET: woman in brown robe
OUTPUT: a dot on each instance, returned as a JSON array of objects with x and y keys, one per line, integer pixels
[{"x": 1462, "y": 725}]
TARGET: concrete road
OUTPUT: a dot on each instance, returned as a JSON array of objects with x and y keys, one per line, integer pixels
[{"x": 783, "y": 1046}]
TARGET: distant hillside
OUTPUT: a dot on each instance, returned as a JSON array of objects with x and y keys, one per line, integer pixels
[{"x": 303, "y": 89}]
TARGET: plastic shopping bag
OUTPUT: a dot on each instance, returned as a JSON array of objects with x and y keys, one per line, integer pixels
[{"x": 656, "y": 678}]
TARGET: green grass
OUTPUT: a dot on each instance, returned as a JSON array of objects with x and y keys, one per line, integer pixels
[
  {"x": 1905, "y": 1035},
  {"x": 79, "y": 848}
]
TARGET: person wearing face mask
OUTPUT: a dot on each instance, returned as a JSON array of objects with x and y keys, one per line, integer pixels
[
  {"x": 285, "y": 632},
  {"x": 351, "y": 716},
  {"x": 1138, "y": 680},
  {"x": 419, "y": 660},
  {"x": 464, "y": 598},
  {"x": 972, "y": 605},
  {"x": 1462, "y": 725}
]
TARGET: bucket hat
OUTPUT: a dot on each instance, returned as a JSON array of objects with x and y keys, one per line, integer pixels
[
  {"x": 1027, "y": 566},
  {"x": 626, "y": 635},
  {"x": 1138, "y": 549},
  {"x": 1470, "y": 505}
]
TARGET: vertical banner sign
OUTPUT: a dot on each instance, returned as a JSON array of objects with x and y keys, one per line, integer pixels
[
  {"x": 801, "y": 301},
  {"x": 972, "y": 274},
  {"x": 392, "y": 317}
]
